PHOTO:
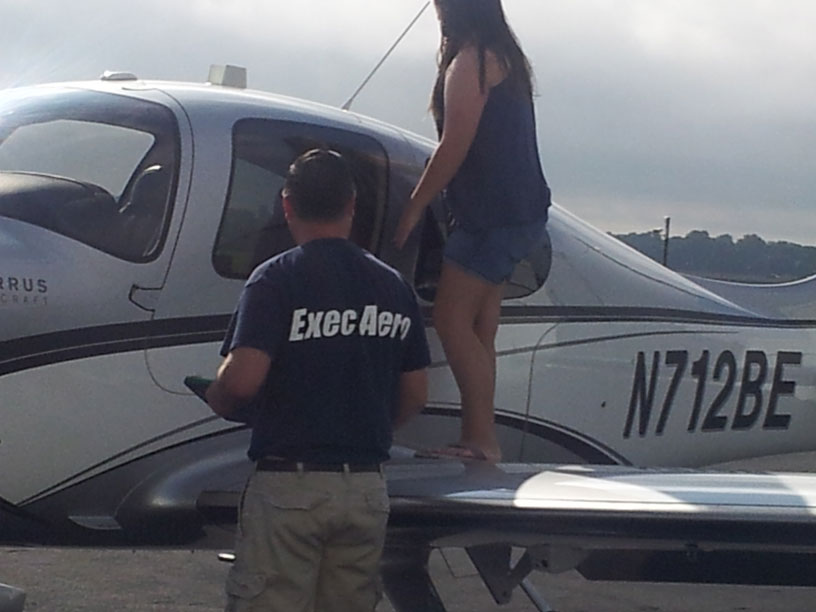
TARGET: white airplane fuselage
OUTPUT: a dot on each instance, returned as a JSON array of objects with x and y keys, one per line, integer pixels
[{"x": 614, "y": 359}]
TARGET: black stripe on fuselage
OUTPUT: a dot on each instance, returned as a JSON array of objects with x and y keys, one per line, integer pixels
[
  {"x": 35, "y": 351},
  {"x": 45, "y": 349},
  {"x": 581, "y": 445},
  {"x": 636, "y": 314}
]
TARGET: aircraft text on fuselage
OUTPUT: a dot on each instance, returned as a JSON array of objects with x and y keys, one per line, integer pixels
[
  {"x": 711, "y": 415},
  {"x": 23, "y": 291}
]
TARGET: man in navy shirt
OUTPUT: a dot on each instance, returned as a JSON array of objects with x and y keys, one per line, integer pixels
[{"x": 327, "y": 350}]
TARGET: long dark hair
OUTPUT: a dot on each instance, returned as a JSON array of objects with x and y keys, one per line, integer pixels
[{"x": 480, "y": 23}]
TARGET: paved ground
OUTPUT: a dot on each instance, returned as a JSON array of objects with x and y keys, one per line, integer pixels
[{"x": 76, "y": 580}]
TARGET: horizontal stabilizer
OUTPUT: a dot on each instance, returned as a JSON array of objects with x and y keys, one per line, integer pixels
[{"x": 794, "y": 300}]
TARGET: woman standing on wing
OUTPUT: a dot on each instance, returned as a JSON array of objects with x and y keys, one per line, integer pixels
[{"x": 487, "y": 161}]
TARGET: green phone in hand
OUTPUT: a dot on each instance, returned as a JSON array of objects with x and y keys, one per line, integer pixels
[{"x": 198, "y": 385}]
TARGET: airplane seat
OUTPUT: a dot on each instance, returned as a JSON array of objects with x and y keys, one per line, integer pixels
[
  {"x": 235, "y": 246},
  {"x": 429, "y": 259},
  {"x": 363, "y": 226},
  {"x": 274, "y": 237},
  {"x": 79, "y": 210},
  {"x": 143, "y": 212}
]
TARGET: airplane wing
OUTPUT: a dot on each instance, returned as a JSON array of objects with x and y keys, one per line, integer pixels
[
  {"x": 596, "y": 504},
  {"x": 608, "y": 522}
]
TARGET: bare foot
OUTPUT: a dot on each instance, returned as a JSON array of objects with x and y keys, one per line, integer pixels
[{"x": 463, "y": 452}]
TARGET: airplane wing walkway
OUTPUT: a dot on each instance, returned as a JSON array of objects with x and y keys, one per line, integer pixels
[{"x": 607, "y": 522}]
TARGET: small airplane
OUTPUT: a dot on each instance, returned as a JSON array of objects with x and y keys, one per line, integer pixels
[{"x": 131, "y": 212}]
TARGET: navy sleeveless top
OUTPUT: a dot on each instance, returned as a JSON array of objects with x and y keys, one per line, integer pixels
[{"x": 501, "y": 182}]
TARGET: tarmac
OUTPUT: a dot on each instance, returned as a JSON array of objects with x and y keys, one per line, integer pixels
[{"x": 86, "y": 580}]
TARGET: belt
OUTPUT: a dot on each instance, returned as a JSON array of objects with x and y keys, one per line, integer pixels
[{"x": 278, "y": 465}]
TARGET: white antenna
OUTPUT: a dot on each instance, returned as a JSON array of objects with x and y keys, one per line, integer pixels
[{"x": 348, "y": 104}]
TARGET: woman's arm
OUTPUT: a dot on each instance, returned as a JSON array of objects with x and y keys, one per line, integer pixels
[{"x": 464, "y": 103}]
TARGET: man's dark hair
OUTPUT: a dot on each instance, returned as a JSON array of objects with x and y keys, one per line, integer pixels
[{"x": 319, "y": 184}]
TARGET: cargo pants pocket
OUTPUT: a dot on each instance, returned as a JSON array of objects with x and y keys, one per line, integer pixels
[{"x": 243, "y": 590}]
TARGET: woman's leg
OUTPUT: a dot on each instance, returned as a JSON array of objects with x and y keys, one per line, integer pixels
[{"x": 466, "y": 316}]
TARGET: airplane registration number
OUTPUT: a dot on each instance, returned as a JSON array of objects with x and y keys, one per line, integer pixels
[{"x": 747, "y": 378}]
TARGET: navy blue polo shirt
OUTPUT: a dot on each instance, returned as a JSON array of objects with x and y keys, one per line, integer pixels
[{"x": 340, "y": 327}]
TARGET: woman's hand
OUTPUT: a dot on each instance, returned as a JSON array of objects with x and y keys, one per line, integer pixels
[{"x": 408, "y": 221}]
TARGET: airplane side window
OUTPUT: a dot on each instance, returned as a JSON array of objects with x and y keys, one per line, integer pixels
[
  {"x": 253, "y": 227},
  {"x": 96, "y": 168},
  {"x": 530, "y": 274}
]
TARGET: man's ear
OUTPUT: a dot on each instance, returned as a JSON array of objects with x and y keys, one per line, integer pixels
[
  {"x": 351, "y": 206},
  {"x": 288, "y": 210}
]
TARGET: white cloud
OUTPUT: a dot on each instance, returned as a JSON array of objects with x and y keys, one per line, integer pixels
[
  {"x": 700, "y": 105},
  {"x": 360, "y": 26}
]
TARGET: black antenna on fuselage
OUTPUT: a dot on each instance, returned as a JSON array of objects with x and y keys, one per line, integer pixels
[{"x": 348, "y": 104}]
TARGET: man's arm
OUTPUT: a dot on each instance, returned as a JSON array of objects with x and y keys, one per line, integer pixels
[
  {"x": 239, "y": 379},
  {"x": 413, "y": 394}
]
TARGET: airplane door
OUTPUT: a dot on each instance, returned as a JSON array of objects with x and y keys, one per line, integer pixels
[{"x": 235, "y": 221}]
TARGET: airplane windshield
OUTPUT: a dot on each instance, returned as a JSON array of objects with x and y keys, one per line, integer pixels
[{"x": 94, "y": 167}]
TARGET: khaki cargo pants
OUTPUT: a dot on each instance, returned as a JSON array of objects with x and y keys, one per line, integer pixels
[{"x": 309, "y": 542}]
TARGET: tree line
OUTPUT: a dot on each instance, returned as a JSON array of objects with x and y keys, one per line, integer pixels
[{"x": 748, "y": 259}]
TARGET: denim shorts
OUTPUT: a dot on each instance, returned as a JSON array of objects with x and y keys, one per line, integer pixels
[{"x": 492, "y": 254}]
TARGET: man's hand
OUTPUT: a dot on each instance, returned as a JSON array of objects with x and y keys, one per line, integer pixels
[{"x": 239, "y": 379}]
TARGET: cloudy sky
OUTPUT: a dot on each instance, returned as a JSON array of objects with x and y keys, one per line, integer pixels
[{"x": 701, "y": 110}]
